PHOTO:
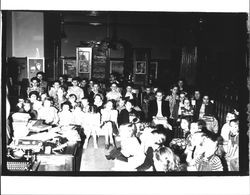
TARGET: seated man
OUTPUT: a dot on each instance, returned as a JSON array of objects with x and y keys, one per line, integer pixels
[
  {"x": 206, "y": 108},
  {"x": 158, "y": 110},
  {"x": 75, "y": 89}
]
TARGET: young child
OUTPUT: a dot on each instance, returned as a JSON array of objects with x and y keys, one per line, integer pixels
[
  {"x": 232, "y": 153},
  {"x": 208, "y": 160}
]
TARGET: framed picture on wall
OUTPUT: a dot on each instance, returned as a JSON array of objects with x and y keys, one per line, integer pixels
[
  {"x": 153, "y": 69},
  {"x": 84, "y": 56},
  {"x": 140, "y": 67},
  {"x": 116, "y": 66},
  {"x": 35, "y": 65}
]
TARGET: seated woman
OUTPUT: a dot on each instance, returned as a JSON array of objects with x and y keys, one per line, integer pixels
[
  {"x": 184, "y": 128},
  {"x": 34, "y": 98},
  {"x": 72, "y": 99},
  {"x": 109, "y": 123},
  {"x": 48, "y": 112},
  {"x": 98, "y": 103},
  {"x": 65, "y": 115},
  {"x": 128, "y": 114}
]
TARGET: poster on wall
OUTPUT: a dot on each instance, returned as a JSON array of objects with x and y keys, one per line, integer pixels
[
  {"x": 84, "y": 57},
  {"x": 140, "y": 67},
  {"x": 35, "y": 65}
]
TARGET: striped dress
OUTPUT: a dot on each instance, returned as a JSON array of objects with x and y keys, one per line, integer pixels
[{"x": 213, "y": 163}]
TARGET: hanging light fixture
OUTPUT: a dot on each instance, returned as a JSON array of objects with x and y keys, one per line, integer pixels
[{"x": 62, "y": 33}]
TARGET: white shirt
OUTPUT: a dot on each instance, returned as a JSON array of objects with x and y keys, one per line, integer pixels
[
  {"x": 202, "y": 111},
  {"x": 225, "y": 130},
  {"x": 159, "y": 113}
]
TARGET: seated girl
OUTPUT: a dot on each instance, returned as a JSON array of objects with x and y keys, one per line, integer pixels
[
  {"x": 65, "y": 115},
  {"x": 109, "y": 123},
  {"x": 48, "y": 112}
]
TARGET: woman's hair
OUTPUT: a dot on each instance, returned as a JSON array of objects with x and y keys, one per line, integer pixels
[
  {"x": 100, "y": 95},
  {"x": 132, "y": 102},
  {"x": 35, "y": 78},
  {"x": 34, "y": 93},
  {"x": 169, "y": 160},
  {"x": 66, "y": 103},
  {"x": 49, "y": 99},
  {"x": 113, "y": 103},
  {"x": 72, "y": 95}
]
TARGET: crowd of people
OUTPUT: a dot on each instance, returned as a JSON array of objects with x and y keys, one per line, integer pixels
[{"x": 145, "y": 129}]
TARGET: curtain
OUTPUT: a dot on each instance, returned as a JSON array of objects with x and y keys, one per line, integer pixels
[{"x": 189, "y": 65}]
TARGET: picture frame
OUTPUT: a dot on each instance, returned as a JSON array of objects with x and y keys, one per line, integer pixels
[
  {"x": 153, "y": 69},
  {"x": 116, "y": 66},
  {"x": 84, "y": 59},
  {"x": 34, "y": 65},
  {"x": 140, "y": 67}
]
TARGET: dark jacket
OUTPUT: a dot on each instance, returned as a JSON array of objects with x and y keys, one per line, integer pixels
[
  {"x": 209, "y": 110},
  {"x": 153, "y": 109},
  {"x": 123, "y": 116}
]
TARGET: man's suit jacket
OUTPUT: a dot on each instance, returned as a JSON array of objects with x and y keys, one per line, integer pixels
[
  {"x": 209, "y": 110},
  {"x": 153, "y": 109}
]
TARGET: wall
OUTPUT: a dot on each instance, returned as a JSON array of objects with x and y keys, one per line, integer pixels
[
  {"x": 160, "y": 40},
  {"x": 27, "y": 34}
]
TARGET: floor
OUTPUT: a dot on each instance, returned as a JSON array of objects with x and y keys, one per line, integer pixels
[{"x": 94, "y": 159}]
